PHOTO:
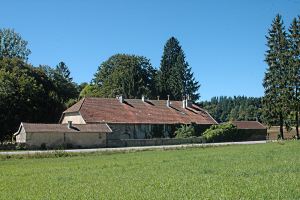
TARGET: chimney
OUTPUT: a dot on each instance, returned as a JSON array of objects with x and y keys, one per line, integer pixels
[
  {"x": 121, "y": 99},
  {"x": 69, "y": 124},
  {"x": 188, "y": 101},
  {"x": 143, "y": 98},
  {"x": 168, "y": 101},
  {"x": 158, "y": 98},
  {"x": 184, "y": 103}
]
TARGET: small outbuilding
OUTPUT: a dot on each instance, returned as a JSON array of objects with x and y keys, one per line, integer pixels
[
  {"x": 251, "y": 130},
  {"x": 55, "y": 135}
]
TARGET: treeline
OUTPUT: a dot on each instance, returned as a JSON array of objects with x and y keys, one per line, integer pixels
[
  {"x": 281, "y": 102},
  {"x": 224, "y": 109},
  {"x": 40, "y": 93}
]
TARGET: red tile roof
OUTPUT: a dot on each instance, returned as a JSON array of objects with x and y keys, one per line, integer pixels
[
  {"x": 63, "y": 128},
  {"x": 135, "y": 111},
  {"x": 248, "y": 125}
]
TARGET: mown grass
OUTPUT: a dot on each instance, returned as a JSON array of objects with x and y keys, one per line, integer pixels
[{"x": 266, "y": 171}]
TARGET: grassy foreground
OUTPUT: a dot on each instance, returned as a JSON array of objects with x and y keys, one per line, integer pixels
[{"x": 266, "y": 171}]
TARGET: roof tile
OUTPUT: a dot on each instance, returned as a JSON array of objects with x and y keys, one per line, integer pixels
[
  {"x": 248, "y": 125},
  {"x": 63, "y": 128},
  {"x": 135, "y": 111}
]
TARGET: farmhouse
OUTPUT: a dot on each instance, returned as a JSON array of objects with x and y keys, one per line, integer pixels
[
  {"x": 138, "y": 118},
  {"x": 102, "y": 122},
  {"x": 251, "y": 130},
  {"x": 54, "y": 135}
]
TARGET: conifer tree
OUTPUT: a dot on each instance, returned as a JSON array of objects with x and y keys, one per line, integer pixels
[
  {"x": 63, "y": 70},
  {"x": 294, "y": 39},
  {"x": 276, "y": 102},
  {"x": 175, "y": 77}
]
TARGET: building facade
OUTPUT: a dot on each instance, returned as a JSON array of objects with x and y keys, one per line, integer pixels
[
  {"x": 138, "y": 118},
  {"x": 37, "y": 136}
]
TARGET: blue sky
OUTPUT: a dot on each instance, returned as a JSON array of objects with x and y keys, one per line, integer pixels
[{"x": 224, "y": 41}]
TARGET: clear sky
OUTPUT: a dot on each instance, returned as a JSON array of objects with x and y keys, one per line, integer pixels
[{"x": 224, "y": 41}]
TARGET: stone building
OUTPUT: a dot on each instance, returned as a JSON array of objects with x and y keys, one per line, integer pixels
[
  {"x": 55, "y": 135},
  {"x": 251, "y": 130},
  {"x": 138, "y": 118}
]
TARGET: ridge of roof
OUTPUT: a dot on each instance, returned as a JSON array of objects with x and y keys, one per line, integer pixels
[
  {"x": 63, "y": 128},
  {"x": 76, "y": 107},
  {"x": 244, "y": 124},
  {"x": 136, "y": 111}
]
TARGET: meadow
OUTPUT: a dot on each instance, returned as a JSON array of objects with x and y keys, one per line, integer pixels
[{"x": 263, "y": 171}]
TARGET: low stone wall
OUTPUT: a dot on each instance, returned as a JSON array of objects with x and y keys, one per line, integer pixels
[
  {"x": 252, "y": 134},
  {"x": 7, "y": 146},
  {"x": 152, "y": 142}
]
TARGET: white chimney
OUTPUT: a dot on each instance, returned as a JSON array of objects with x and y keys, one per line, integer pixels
[
  {"x": 188, "y": 101},
  {"x": 69, "y": 124},
  {"x": 184, "y": 103},
  {"x": 143, "y": 98},
  {"x": 168, "y": 101},
  {"x": 121, "y": 99}
]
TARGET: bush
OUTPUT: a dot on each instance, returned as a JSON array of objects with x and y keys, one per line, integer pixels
[
  {"x": 221, "y": 133},
  {"x": 185, "y": 131},
  {"x": 43, "y": 146},
  {"x": 21, "y": 147}
]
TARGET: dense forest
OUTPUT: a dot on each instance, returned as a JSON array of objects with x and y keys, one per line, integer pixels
[
  {"x": 40, "y": 93},
  {"x": 225, "y": 108}
]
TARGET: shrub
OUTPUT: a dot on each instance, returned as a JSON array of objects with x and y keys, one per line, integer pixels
[
  {"x": 21, "y": 147},
  {"x": 185, "y": 131},
  {"x": 221, "y": 133},
  {"x": 43, "y": 146}
]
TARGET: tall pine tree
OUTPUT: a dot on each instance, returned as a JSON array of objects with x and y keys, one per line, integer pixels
[
  {"x": 276, "y": 102},
  {"x": 175, "y": 77},
  {"x": 294, "y": 39}
]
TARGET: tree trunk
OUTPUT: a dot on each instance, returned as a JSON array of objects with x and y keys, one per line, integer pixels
[
  {"x": 297, "y": 124},
  {"x": 297, "y": 115},
  {"x": 281, "y": 126}
]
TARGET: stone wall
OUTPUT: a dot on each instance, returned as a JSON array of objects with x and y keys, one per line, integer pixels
[
  {"x": 139, "y": 131},
  {"x": 71, "y": 140},
  {"x": 153, "y": 142},
  {"x": 21, "y": 138},
  {"x": 148, "y": 131},
  {"x": 76, "y": 118},
  {"x": 252, "y": 134}
]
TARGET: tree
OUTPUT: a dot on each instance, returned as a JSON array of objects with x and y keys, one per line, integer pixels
[
  {"x": 185, "y": 131},
  {"x": 221, "y": 133},
  {"x": 26, "y": 95},
  {"x": 12, "y": 45},
  {"x": 60, "y": 77},
  {"x": 129, "y": 75},
  {"x": 225, "y": 108},
  {"x": 64, "y": 71},
  {"x": 90, "y": 91},
  {"x": 294, "y": 39},
  {"x": 175, "y": 77},
  {"x": 276, "y": 101}
]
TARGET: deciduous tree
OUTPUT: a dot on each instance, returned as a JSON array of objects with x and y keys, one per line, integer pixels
[
  {"x": 12, "y": 45},
  {"x": 129, "y": 75}
]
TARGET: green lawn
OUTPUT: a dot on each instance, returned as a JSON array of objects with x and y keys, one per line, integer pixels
[{"x": 265, "y": 171}]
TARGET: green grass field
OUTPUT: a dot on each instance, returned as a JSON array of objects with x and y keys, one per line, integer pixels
[{"x": 266, "y": 171}]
